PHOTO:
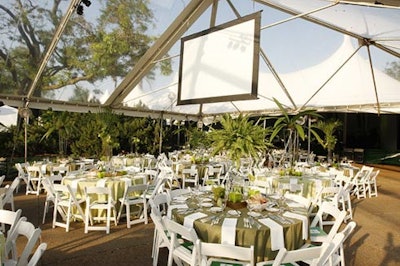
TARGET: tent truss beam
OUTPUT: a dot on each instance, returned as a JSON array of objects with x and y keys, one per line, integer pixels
[{"x": 163, "y": 44}]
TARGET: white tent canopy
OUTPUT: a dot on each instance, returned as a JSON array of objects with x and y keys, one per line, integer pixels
[{"x": 319, "y": 54}]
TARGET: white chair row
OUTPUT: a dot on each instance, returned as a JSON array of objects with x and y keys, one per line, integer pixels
[{"x": 67, "y": 206}]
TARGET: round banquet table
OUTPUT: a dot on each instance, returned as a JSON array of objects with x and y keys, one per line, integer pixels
[
  {"x": 258, "y": 234},
  {"x": 310, "y": 183},
  {"x": 117, "y": 184}
]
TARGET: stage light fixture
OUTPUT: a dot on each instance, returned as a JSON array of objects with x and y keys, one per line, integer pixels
[
  {"x": 79, "y": 10},
  {"x": 86, "y": 2}
]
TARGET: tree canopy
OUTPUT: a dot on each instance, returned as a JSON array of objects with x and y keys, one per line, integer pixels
[{"x": 87, "y": 50}]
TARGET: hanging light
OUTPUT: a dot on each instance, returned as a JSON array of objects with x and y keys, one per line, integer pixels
[
  {"x": 86, "y": 2},
  {"x": 79, "y": 10}
]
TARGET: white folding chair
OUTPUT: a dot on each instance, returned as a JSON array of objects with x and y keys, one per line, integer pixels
[
  {"x": 312, "y": 255},
  {"x": 191, "y": 176},
  {"x": 35, "y": 177},
  {"x": 8, "y": 197},
  {"x": 182, "y": 249},
  {"x": 2, "y": 179},
  {"x": 134, "y": 195},
  {"x": 99, "y": 199},
  {"x": 372, "y": 186},
  {"x": 324, "y": 216},
  {"x": 50, "y": 198},
  {"x": 25, "y": 230},
  {"x": 223, "y": 254},
  {"x": 212, "y": 175},
  {"x": 37, "y": 255},
  {"x": 22, "y": 174},
  {"x": 67, "y": 205},
  {"x": 161, "y": 238},
  {"x": 360, "y": 180},
  {"x": 338, "y": 257},
  {"x": 9, "y": 218}
]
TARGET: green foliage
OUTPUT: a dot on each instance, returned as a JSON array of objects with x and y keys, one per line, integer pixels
[
  {"x": 328, "y": 128},
  {"x": 87, "y": 50},
  {"x": 291, "y": 126},
  {"x": 239, "y": 138}
]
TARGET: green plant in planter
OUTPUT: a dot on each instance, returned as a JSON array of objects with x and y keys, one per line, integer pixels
[
  {"x": 328, "y": 128},
  {"x": 239, "y": 138},
  {"x": 292, "y": 127}
]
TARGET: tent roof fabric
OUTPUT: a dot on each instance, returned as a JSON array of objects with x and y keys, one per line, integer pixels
[{"x": 345, "y": 80}]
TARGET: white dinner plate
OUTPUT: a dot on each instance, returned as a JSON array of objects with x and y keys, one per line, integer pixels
[
  {"x": 216, "y": 209},
  {"x": 234, "y": 212},
  {"x": 206, "y": 200},
  {"x": 271, "y": 209},
  {"x": 206, "y": 204},
  {"x": 254, "y": 214}
]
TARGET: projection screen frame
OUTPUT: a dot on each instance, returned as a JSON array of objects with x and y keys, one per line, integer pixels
[{"x": 252, "y": 93}]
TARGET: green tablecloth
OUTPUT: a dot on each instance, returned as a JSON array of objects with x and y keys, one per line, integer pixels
[{"x": 245, "y": 237}]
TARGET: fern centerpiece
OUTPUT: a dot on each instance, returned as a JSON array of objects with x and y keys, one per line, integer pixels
[{"x": 239, "y": 138}]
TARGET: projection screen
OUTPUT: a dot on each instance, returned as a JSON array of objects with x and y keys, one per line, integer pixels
[{"x": 221, "y": 63}]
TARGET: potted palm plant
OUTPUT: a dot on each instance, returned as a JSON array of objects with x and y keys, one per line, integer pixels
[
  {"x": 292, "y": 127},
  {"x": 329, "y": 140}
]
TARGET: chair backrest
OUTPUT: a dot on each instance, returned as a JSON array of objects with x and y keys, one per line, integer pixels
[
  {"x": 9, "y": 194},
  {"x": 175, "y": 229},
  {"x": 61, "y": 170},
  {"x": 37, "y": 255},
  {"x": 34, "y": 171},
  {"x": 49, "y": 188},
  {"x": 311, "y": 254},
  {"x": 10, "y": 218},
  {"x": 348, "y": 229},
  {"x": 373, "y": 175},
  {"x": 2, "y": 179},
  {"x": 21, "y": 170},
  {"x": 55, "y": 178},
  {"x": 333, "y": 211},
  {"x": 364, "y": 173},
  {"x": 61, "y": 191},
  {"x": 299, "y": 199},
  {"x": 159, "y": 204},
  {"x": 27, "y": 230},
  {"x": 172, "y": 193},
  {"x": 334, "y": 246},
  {"x": 100, "y": 192},
  {"x": 178, "y": 229},
  {"x": 135, "y": 190},
  {"x": 225, "y": 253}
]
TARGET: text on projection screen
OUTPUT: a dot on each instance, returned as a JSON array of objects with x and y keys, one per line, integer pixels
[{"x": 219, "y": 64}]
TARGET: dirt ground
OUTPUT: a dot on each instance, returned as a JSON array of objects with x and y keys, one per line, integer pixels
[{"x": 376, "y": 240}]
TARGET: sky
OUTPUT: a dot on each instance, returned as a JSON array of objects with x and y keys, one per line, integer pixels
[{"x": 291, "y": 46}]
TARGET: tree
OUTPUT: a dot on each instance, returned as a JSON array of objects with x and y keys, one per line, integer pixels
[
  {"x": 86, "y": 51},
  {"x": 393, "y": 69},
  {"x": 63, "y": 123}
]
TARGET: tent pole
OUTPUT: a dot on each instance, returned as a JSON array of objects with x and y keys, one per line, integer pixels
[{"x": 161, "y": 132}]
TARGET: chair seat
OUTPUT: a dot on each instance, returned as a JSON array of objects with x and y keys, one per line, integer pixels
[{"x": 317, "y": 234}]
